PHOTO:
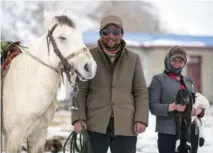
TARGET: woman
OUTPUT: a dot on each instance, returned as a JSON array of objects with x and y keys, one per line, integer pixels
[{"x": 162, "y": 93}]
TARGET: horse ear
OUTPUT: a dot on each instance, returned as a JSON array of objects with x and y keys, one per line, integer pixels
[
  {"x": 48, "y": 19},
  {"x": 64, "y": 12}
]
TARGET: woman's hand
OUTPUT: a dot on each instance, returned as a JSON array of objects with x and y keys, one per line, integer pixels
[
  {"x": 180, "y": 108},
  {"x": 172, "y": 107},
  {"x": 196, "y": 111}
]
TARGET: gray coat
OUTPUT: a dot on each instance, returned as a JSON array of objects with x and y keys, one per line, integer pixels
[{"x": 162, "y": 92}]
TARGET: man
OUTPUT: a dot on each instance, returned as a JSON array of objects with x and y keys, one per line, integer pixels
[{"x": 113, "y": 105}]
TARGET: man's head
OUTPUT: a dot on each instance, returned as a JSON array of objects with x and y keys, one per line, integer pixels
[{"x": 111, "y": 31}]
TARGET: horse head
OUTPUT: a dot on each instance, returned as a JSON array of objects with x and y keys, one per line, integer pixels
[{"x": 66, "y": 48}]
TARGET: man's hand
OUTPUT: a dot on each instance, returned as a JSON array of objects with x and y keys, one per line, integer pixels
[
  {"x": 139, "y": 127},
  {"x": 78, "y": 126}
]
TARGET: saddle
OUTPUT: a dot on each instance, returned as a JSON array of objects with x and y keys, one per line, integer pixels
[{"x": 9, "y": 50}]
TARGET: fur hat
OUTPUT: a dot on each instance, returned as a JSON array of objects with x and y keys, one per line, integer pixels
[
  {"x": 111, "y": 19},
  {"x": 176, "y": 51}
]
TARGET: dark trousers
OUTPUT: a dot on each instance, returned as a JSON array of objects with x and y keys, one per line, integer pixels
[
  {"x": 118, "y": 144},
  {"x": 166, "y": 143}
]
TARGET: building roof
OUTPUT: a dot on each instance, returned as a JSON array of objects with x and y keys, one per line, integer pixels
[{"x": 151, "y": 40}]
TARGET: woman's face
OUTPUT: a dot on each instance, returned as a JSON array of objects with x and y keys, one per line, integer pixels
[{"x": 177, "y": 62}]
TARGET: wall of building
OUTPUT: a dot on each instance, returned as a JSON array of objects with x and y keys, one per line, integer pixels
[{"x": 154, "y": 59}]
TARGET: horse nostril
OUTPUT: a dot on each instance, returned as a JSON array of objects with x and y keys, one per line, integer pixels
[{"x": 86, "y": 67}]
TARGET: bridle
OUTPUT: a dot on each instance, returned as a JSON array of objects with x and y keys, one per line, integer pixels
[{"x": 63, "y": 66}]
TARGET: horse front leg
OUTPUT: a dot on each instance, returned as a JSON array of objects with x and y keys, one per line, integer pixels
[
  {"x": 36, "y": 141},
  {"x": 14, "y": 141}
]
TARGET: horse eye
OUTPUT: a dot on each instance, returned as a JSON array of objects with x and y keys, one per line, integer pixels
[{"x": 62, "y": 38}]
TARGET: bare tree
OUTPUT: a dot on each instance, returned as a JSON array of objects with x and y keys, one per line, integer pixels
[
  {"x": 21, "y": 20},
  {"x": 138, "y": 16}
]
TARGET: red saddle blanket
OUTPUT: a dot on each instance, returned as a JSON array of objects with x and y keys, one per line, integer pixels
[{"x": 9, "y": 50}]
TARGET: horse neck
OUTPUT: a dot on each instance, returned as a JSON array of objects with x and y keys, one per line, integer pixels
[{"x": 40, "y": 50}]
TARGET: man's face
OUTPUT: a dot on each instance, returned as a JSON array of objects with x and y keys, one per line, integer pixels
[{"x": 111, "y": 36}]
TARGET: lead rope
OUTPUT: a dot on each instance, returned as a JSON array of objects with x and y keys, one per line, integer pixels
[{"x": 79, "y": 145}]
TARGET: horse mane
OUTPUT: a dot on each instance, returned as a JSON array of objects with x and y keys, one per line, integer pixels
[{"x": 63, "y": 19}]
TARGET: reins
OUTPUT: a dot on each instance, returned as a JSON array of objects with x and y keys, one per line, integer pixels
[{"x": 64, "y": 65}]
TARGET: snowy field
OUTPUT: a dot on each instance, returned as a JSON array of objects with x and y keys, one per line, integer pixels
[
  {"x": 61, "y": 126},
  {"x": 147, "y": 142}
]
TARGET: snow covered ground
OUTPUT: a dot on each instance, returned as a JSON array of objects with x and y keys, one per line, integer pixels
[{"x": 147, "y": 142}]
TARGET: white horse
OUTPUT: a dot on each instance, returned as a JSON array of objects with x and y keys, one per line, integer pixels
[{"x": 31, "y": 83}]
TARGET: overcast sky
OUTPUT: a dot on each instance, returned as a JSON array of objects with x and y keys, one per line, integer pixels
[
  {"x": 186, "y": 16},
  {"x": 181, "y": 16}
]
